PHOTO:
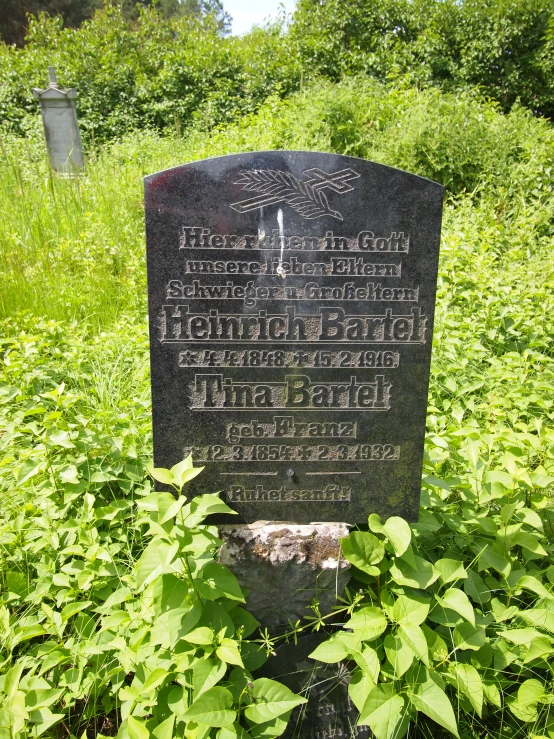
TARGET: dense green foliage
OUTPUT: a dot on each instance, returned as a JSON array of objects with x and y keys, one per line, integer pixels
[
  {"x": 463, "y": 640},
  {"x": 504, "y": 47},
  {"x": 73, "y": 248},
  {"x": 164, "y": 70},
  {"x": 158, "y": 73},
  {"x": 14, "y": 14},
  {"x": 115, "y": 617},
  {"x": 113, "y": 605}
]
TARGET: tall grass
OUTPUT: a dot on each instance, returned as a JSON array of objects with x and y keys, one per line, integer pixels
[{"x": 72, "y": 248}]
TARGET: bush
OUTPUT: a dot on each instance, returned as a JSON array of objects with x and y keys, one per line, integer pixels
[
  {"x": 159, "y": 73},
  {"x": 502, "y": 47}
]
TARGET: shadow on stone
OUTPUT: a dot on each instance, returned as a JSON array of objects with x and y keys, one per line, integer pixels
[{"x": 329, "y": 713}]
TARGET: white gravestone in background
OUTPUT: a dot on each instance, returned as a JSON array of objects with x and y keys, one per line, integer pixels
[{"x": 61, "y": 129}]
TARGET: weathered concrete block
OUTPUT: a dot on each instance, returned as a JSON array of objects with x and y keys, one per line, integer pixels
[
  {"x": 285, "y": 566},
  {"x": 61, "y": 128}
]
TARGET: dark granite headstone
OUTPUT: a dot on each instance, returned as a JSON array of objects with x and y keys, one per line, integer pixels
[{"x": 291, "y": 311}]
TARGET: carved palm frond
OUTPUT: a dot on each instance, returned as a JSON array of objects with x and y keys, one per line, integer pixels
[{"x": 300, "y": 196}]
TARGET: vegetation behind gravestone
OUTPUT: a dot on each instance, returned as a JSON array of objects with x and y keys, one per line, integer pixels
[
  {"x": 90, "y": 571},
  {"x": 77, "y": 516},
  {"x": 160, "y": 71}
]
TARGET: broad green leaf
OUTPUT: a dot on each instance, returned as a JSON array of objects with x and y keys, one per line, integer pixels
[
  {"x": 136, "y": 729},
  {"x": 40, "y": 698},
  {"x": 184, "y": 472},
  {"x": 528, "y": 582},
  {"x": 475, "y": 587},
  {"x": 330, "y": 651},
  {"x": 410, "y": 609},
  {"x": 17, "y": 582},
  {"x": 244, "y": 620},
  {"x": 396, "y": 529},
  {"x": 368, "y": 623},
  {"x": 156, "y": 559},
  {"x": 24, "y": 633},
  {"x": 420, "y": 576},
  {"x": 433, "y": 702},
  {"x": 12, "y": 678},
  {"x": 270, "y": 700},
  {"x": 530, "y": 542},
  {"x": 177, "y": 700},
  {"x": 212, "y": 708},
  {"x": 173, "y": 509},
  {"x": 468, "y": 681},
  {"x": 521, "y": 636},
  {"x": 69, "y": 474},
  {"x": 492, "y": 694},
  {"x": 154, "y": 680},
  {"x": 363, "y": 550},
  {"x": 206, "y": 673},
  {"x": 28, "y": 469},
  {"x": 528, "y": 516},
  {"x": 228, "y": 651},
  {"x": 541, "y": 617},
  {"x": 217, "y": 581},
  {"x": 539, "y": 648},
  {"x": 165, "y": 729},
  {"x": 270, "y": 729},
  {"x": 435, "y": 644},
  {"x": 490, "y": 559},
  {"x": 202, "y": 635},
  {"x": 450, "y": 570},
  {"x": 530, "y": 693},
  {"x": 540, "y": 478},
  {"x": 457, "y": 600},
  {"x": 359, "y": 688},
  {"x": 383, "y": 711},
  {"x": 414, "y": 638},
  {"x": 204, "y": 505},
  {"x": 399, "y": 654},
  {"x": 467, "y": 636},
  {"x": 59, "y": 437},
  {"x": 161, "y": 475},
  {"x": 368, "y": 661},
  {"x": 72, "y": 608},
  {"x": 232, "y": 732}
]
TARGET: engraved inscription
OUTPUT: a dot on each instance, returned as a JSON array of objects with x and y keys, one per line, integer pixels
[
  {"x": 295, "y": 453},
  {"x": 216, "y": 392},
  {"x": 259, "y": 494},
  {"x": 291, "y": 302},
  {"x": 322, "y": 358},
  {"x": 250, "y": 294},
  {"x": 289, "y": 427},
  {"x": 197, "y": 237},
  {"x": 331, "y": 325},
  {"x": 337, "y": 266}
]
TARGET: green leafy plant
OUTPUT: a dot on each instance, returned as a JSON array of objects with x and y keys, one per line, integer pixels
[
  {"x": 453, "y": 620},
  {"x": 147, "y": 638}
]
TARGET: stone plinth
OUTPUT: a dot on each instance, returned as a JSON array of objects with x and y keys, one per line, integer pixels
[{"x": 284, "y": 566}]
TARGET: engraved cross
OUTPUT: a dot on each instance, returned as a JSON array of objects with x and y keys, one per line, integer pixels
[{"x": 338, "y": 181}]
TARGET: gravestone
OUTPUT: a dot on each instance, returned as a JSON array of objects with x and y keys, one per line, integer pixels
[
  {"x": 61, "y": 129},
  {"x": 291, "y": 305},
  {"x": 291, "y": 301}
]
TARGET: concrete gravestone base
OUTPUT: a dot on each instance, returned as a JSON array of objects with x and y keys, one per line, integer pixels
[{"x": 286, "y": 566}]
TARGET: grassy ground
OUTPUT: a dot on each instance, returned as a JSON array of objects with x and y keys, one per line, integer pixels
[{"x": 74, "y": 394}]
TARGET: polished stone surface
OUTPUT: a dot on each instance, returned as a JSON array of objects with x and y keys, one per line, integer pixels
[{"x": 291, "y": 313}]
